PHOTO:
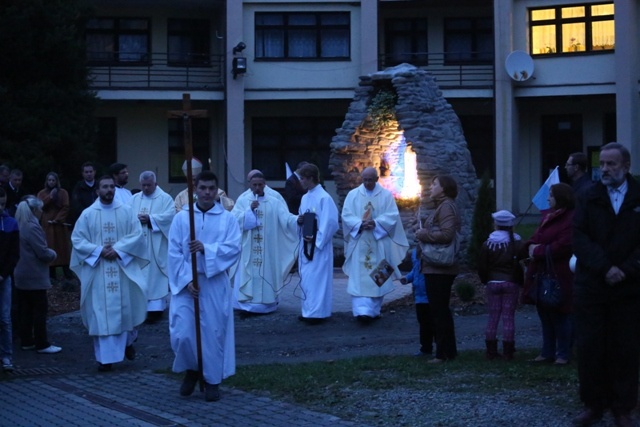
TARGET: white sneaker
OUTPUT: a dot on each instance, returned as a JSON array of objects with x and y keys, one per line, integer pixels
[
  {"x": 50, "y": 350},
  {"x": 7, "y": 366}
]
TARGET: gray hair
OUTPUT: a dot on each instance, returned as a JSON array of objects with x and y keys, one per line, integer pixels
[
  {"x": 624, "y": 151},
  {"x": 26, "y": 208},
  {"x": 148, "y": 175}
]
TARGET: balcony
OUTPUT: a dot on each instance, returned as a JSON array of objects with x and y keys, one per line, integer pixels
[
  {"x": 468, "y": 70},
  {"x": 157, "y": 72}
]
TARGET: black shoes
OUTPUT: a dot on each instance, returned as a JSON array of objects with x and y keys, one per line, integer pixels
[
  {"x": 211, "y": 392},
  {"x": 105, "y": 367},
  {"x": 587, "y": 417},
  {"x": 153, "y": 317},
  {"x": 130, "y": 352},
  {"x": 311, "y": 320},
  {"x": 189, "y": 383}
]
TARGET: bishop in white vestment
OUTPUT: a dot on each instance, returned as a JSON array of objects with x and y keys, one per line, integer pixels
[
  {"x": 373, "y": 233},
  {"x": 109, "y": 256},
  {"x": 269, "y": 243}
]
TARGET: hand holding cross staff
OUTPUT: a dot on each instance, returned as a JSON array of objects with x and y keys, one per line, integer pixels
[{"x": 186, "y": 114}]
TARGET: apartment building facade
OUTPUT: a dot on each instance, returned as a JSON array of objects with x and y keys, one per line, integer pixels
[{"x": 275, "y": 79}]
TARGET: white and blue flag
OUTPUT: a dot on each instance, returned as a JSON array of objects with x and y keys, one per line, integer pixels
[{"x": 540, "y": 199}]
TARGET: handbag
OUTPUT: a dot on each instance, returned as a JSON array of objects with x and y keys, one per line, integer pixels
[
  {"x": 441, "y": 254},
  {"x": 549, "y": 293}
]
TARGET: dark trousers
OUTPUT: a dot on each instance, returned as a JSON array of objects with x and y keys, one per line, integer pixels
[
  {"x": 33, "y": 307},
  {"x": 423, "y": 314},
  {"x": 608, "y": 344},
  {"x": 439, "y": 294}
]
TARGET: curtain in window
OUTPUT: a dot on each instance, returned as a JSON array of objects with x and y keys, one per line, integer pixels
[
  {"x": 543, "y": 39},
  {"x": 302, "y": 44},
  {"x": 334, "y": 44},
  {"x": 133, "y": 48},
  {"x": 603, "y": 35}
]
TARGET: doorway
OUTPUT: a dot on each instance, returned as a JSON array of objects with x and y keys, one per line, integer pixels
[{"x": 561, "y": 135}]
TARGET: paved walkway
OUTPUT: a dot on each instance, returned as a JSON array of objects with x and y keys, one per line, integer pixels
[{"x": 43, "y": 396}]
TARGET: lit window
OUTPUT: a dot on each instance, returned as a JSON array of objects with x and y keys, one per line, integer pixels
[{"x": 572, "y": 29}]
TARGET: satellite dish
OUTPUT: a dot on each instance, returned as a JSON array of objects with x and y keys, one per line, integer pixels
[{"x": 519, "y": 65}]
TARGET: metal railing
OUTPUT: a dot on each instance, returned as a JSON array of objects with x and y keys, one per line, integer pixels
[
  {"x": 156, "y": 71},
  {"x": 451, "y": 70}
]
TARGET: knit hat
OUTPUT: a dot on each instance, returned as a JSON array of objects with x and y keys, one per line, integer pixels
[
  {"x": 196, "y": 166},
  {"x": 503, "y": 218}
]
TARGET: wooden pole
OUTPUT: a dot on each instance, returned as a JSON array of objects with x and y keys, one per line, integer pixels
[{"x": 186, "y": 114}]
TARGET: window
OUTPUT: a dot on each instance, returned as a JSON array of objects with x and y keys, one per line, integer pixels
[
  {"x": 188, "y": 42},
  {"x": 118, "y": 40},
  {"x": 572, "y": 29},
  {"x": 406, "y": 41},
  {"x": 292, "y": 139},
  {"x": 303, "y": 36},
  {"x": 468, "y": 40},
  {"x": 199, "y": 139}
]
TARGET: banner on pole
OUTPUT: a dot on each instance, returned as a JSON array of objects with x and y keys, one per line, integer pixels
[{"x": 540, "y": 199}]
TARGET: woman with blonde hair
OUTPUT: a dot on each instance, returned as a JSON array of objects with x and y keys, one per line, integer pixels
[
  {"x": 31, "y": 277},
  {"x": 55, "y": 210}
]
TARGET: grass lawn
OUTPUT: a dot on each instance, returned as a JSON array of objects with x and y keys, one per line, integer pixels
[{"x": 323, "y": 384}]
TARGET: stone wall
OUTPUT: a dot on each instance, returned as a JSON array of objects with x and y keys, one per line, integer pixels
[{"x": 430, "y": 127}]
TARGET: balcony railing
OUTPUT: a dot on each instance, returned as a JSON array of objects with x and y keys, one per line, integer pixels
[
  {"x": 470, "y": 70},
  {"x": 157, "y": 72}
]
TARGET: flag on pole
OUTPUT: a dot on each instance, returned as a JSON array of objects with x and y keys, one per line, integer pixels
[
  {"x": 540, "y": 199},
  {"x": 287, "y": 170}
]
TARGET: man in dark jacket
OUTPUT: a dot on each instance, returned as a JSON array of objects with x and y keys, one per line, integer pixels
[
  {"x": 84, "y": 193},
  {"x": 9, "y": 254},
  {"x": 576, "y": 167},
  {"x": 293, "y": 190},
  {"x": 607, "y": 291},
  {"x": 14, "y": 191}
]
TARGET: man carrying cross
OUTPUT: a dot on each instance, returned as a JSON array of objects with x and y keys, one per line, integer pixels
[
  {"x": 216, "y": 245},
  {"x": 109, "y": 254}
]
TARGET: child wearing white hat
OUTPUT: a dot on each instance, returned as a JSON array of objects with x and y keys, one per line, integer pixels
[{"x": 499, "y": 269}]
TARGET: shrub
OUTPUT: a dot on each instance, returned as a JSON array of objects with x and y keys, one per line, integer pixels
[{"x": 482, "y": 224}]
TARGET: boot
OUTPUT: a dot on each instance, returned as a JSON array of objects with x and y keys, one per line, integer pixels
[
  {"x": 492, "y": 350},
  {"x": 508, "y": 348}
]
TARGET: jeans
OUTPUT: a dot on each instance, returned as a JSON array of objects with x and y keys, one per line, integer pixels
[
  {"x": 6, "y": 337},
  {"x": 503, "y": 300},
  {"x": 556, "y": 334}
]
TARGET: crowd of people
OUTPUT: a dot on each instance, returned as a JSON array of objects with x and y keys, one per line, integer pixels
[{"x": 203, "y": 255}]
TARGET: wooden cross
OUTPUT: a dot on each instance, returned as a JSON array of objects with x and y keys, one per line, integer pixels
[{"x": 187, "y": 114}]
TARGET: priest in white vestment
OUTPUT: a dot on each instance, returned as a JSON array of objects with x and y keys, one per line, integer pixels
[
  {"x": 269, "y": 243},
  {"x": 109, "y": 255},
  {"x": 155, "y": 212},
  {"x": 315, "y": 261},
  {"x": 373, "y": 233},
  {"x": 217, "y": 248}
]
